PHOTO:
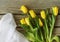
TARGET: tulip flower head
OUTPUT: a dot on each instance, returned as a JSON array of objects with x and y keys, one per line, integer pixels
[
  {"x": 24, "y": 9},
  {"x": 22, "y": 21},
  {"x": 43, "y": 15},
  {"x": 40, "y": 23},
  {"x": 32, "y": 13},
  {"x": 27, "y": 21},
  {"x": 55, "y": 10}
]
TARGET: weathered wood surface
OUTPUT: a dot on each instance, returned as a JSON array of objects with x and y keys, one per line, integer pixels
[{"x": 14, "y": 5}]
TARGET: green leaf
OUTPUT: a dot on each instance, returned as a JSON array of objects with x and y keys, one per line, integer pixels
[
  {"x": 35, "y": 29},
  {"x": 56, "y": 38},
  {"x": 52, "y": 26},
  {"x": 30, "y": 36}
]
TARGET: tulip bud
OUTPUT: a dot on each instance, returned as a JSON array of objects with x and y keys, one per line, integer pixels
[
  {"x": 22, "y": 21},
  {"x": 40, "y": 23},
  {"x": 32, "y": 13},
  {"x": 24, "y": 9},
  {"x": 27, "y": 21},
  {"x": 43, "y": 15},
  {"x": 55, "y": 10}
]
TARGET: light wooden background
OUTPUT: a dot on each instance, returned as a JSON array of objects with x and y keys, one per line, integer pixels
[{"x": 14, "y": 5}]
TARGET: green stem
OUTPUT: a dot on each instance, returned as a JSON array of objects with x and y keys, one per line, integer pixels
[
  {"x": 46, "y": 29},
  {"x": 51, "y": 30},
  {"x": 44, "y": 32},
  {"x": 31, "y": 28},
  {"x": 37, "y": 38}
]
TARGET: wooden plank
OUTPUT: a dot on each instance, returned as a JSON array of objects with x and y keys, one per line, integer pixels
[
  {"x": 18, "y": 17},
  {"x": 14, "y": 5},
  {"x": 56, "y": 31}
]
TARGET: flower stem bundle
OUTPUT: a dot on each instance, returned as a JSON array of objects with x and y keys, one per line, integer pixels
[{"x": 39, "y": 29}]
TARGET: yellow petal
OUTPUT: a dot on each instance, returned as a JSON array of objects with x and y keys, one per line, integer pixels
[
  {"x": 32, "y": 13},
  {"x": 27, "y": 21},
  {"x": 24, "y": 9},
  {"x": 40, "y": 23},
  {"x": 55, "y": 10},
  {"x": 43, "y": 15},
  {"x": 22, "y": 21}
]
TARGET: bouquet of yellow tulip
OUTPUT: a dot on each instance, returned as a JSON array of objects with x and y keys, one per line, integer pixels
[{"x": 39, "y": 29}]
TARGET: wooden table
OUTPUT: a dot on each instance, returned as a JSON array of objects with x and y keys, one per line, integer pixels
[{"x": 14, "y": 5}]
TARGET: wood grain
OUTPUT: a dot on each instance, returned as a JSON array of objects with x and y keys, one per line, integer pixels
[{"x": 14, "y": 5}]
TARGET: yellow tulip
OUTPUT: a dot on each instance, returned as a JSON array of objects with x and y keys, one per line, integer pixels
[
  {"x": 27, "y": 21},
  {"x": 22, "y": 21},
  {"x": 40, "y": 23},
  {"x": 24, "y": 9},
  {"x": 32, "y": 13},
  {"x": 55, "y": 10},
  {"x": 43, "y": 15}
]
